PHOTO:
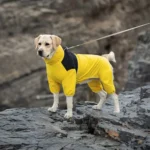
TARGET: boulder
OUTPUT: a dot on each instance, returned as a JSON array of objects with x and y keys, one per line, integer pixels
[{"x": 36, "y": 128}]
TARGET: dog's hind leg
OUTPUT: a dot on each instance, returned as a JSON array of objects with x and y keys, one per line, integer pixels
[
  {"x": 105, "y": 74},
  {"x": 97, "y": 87},
  {"x": 55, "y": 103},
  {"x": 102, "y": 94},
  {"x": 108, "y": 85},
  {"x": 116, "y": 102}
]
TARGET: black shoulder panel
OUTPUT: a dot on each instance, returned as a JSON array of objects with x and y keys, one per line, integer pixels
[{"x": 70, "y": 60}]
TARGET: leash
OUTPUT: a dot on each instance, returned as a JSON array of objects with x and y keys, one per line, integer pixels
[{"x": 107, "y": 36}]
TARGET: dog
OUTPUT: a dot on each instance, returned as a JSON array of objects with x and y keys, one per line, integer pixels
[{"x": 68, "y": 69}]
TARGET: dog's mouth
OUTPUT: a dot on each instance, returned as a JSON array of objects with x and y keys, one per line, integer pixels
[
  {"x": 47, "y": 56},
  {"x": 50, "y": 54}
]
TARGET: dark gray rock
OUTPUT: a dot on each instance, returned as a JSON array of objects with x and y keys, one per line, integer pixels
[
  {"x": 36, "y": 128},
  {"x": 139, "y": 65}
]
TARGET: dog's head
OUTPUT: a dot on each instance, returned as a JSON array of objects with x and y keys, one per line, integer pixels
[{"x": 46, "y": 45}]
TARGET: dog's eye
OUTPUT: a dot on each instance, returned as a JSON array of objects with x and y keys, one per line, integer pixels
[
  {"x": 47, "y": 44},
  {"x": 39, "y": 43}
]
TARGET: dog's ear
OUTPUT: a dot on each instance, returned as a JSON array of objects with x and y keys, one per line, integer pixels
[
  {"x": 56, "y": 41},
  {"x": 36, "y": 41}
]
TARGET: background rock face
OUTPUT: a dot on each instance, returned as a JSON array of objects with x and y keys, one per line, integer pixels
[
  {"x": 139, "y": 66},
  {"x": 22, "y": 72},
  {"x": 35, "y": 128}
]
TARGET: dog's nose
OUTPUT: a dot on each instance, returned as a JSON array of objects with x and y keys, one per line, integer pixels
[{"x": 40, "y": 52}]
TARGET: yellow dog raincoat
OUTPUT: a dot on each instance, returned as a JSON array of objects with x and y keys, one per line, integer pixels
[{"x": 68, "y": 69}]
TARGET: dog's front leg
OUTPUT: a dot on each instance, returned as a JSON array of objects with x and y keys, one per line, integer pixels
[
  {"x": 69, "y": 100},
  {"x": 55, "y": 103}
]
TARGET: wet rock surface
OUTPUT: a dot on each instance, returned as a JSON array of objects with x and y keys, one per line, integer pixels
[{"x": 36, "y": 128}]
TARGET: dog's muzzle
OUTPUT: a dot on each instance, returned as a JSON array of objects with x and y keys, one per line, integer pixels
[{"x": 40, "y": 53}]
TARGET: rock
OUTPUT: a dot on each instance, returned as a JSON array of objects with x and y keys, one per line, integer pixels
[
  {"x": 36, "y": 128},
  {"x": 139, "y": 72},
  {"x": 23, "y": 73}
]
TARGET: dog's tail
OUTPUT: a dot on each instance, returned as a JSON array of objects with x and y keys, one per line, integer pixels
[{"x": 111, "y": 57}]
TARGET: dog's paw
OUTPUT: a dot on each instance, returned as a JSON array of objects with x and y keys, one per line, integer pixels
[
  {"x": 68, "y": 115},
  {"x": 96, "y": 107},
  {"x": 52, "y": 109},
  {"x": 117, "y": 111}
]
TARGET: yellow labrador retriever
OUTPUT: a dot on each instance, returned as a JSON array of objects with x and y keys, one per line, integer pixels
[{"x": 68, "y": 69}]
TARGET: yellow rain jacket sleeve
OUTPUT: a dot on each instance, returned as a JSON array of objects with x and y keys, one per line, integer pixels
[
  {"x": 53, "y": 86},
  {"x": 69, "y": 83}
]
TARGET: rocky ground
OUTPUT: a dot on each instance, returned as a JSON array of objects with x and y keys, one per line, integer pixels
[
  {"x": 36, "y": 128},
  {"x": 22, "y": 73}
]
